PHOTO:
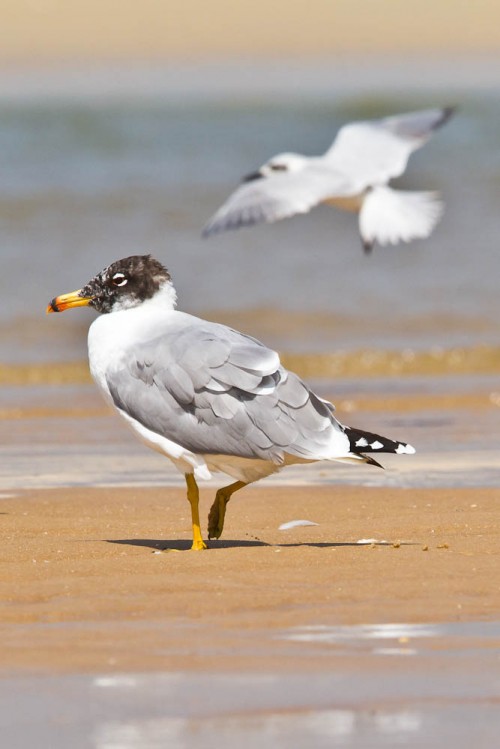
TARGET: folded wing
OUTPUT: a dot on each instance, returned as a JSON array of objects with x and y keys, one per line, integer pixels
[{"x": 215, "y": 391}]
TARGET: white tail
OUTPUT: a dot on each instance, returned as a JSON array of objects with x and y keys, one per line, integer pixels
[{"x": 390, "y": 216}]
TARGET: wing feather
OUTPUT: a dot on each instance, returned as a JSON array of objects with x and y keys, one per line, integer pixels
[
  {"x": 375, "y": 151},
  {"x": 235, "y": 399},
  {"x": 274, "y": 197}
]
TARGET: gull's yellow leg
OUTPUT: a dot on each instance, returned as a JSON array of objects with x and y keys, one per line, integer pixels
[
  {"x": 218, "y": 510},
  {"x": 193, "y": 496}
]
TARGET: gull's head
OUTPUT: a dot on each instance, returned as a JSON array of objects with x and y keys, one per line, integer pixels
[
  {"x": 283, "y": 163},
  {"x": 124, "y": 284}
]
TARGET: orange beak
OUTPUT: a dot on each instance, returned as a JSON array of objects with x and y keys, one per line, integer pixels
[{"x": 65, "y": 301}]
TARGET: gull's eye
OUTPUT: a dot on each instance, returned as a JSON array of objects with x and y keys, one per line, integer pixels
[
  {"x": 119, "y": 279},
  {"x": 279, "y": 167}
]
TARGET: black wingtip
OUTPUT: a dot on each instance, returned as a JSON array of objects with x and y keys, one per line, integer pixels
[
  {"x": 447, "y": 114},
  {"x": 361, "y": 442},
  {"x": 372, "y": 462}
]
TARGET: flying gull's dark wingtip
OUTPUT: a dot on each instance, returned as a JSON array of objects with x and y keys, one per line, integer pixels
[{"x": 446, "y": 114}]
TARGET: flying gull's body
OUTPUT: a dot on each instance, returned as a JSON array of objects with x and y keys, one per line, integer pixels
[
  {"x": 352, "y": 175},
  {"x": 204, "y": 395}
]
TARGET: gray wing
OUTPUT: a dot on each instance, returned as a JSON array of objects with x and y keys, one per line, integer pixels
[
  {"x": 274, "y": 197},
  {"x": 215, "y": 391},
  {"x": 375, "y": 151}
]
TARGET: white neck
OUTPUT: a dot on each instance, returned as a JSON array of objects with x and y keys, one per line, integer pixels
[
  {"x": 164, "y": 299},
  {"x": 110, "y": 335}
]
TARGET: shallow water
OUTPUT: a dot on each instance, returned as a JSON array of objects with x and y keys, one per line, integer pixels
[
  {"x": 65, "y": 436},
  {"x": 422, "y": 685}
]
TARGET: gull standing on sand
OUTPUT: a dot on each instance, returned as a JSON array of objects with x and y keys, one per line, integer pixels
[
  {"x": 204, "y": 395},
  {"x": 352, "y": 175}
]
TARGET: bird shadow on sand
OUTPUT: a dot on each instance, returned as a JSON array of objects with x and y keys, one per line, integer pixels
[{"x": 183, "y": 545}]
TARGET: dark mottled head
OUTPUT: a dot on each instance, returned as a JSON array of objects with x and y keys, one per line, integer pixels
[
  {"x": 125, "y": 283},
  {"x": 122, "y": 285}
]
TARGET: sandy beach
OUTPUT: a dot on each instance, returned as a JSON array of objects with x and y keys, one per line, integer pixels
[
  {"x": 122, "y": 132},
  {"x": 54, "y": 31},
  {"x": 88, "y": 585}
]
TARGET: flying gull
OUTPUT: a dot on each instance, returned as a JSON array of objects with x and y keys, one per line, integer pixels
[
  {"x": 352, "y": 175},
  {"x": 206, "y": 396}
]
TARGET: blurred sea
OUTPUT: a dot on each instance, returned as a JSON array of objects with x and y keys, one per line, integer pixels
[{"x": 88, "y": 177}]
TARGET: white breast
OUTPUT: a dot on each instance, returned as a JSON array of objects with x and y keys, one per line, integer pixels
[{"x": 110, "y": 335}]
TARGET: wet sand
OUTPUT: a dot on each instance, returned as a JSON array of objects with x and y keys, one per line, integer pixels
[
  {"x": 86, "y": 582},
  {"x": 365, "y": 363},
  {"x": 282, "y": 638}
]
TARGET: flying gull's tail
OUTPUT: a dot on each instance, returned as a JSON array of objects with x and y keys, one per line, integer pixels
[{"x": 390, "y": 216}]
